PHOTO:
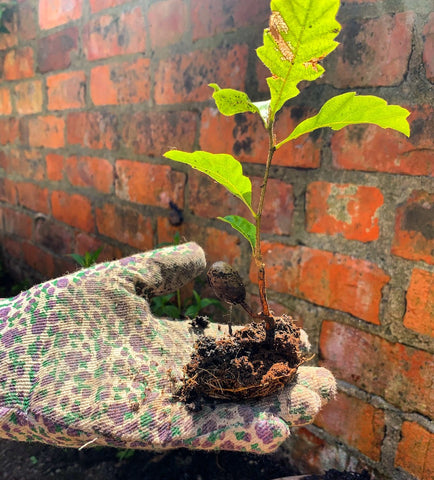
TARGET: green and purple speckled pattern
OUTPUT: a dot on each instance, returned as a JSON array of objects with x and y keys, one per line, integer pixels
[{"x": 83, "y": 360}]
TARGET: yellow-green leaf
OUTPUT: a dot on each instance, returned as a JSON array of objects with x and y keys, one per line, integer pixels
[{"x": 240, "y": 224}]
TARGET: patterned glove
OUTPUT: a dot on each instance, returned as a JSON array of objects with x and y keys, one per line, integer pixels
[{"x": 84, "y": 362}]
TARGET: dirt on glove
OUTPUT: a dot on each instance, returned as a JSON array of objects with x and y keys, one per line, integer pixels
[{"x": 245, "y": 365}]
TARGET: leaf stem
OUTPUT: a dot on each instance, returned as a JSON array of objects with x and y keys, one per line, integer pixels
[{"x": 257, "y": 253}]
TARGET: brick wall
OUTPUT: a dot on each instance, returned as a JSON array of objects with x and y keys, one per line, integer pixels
[{"x": 92, "y": 92}]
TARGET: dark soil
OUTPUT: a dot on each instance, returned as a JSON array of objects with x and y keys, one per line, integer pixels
[
  {"x": 244, "y": 365},
  {"x": 337, "y": 475}
]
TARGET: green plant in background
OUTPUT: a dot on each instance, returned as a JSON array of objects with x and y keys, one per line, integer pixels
[
  {"x": 10, "y": 287},
  {"x": 6, "y": 10},
  {"x": 299, "y": 36},
  {"x": 88, "y": 259}
]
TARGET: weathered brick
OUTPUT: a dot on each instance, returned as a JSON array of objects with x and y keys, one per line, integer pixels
[
  {"x": 28, "y": 97},
  {"x": 89, "y": 243},
  {"x": 415, "y": 452},
  {"x": 210, "y": 18},
  {"x": 329, "y": 279},
  {"x": 73, "y": 209},
  {"x": 5, "y": 101},
  {"x": 400, "y": 374},
  {"x": 209, "y": 199},
  {"x": 149, "y": 184},
  {"x": 93, "y": 130},
  {"x": 28, "y": 162},
  {"x": 355, "y": 422},
  {"x": 184, "y": 78},
  {"x": 27, "y": 21},
  {"x": 93, "y": 172},
  {"x": 414, "y": 225},
  {"x": 166, "y": 231},
  {"x": 244, "y": 137},
  {"x": 54, "y": 236},
  {"x": 17, "y": 223},
  {"x": 18, "y": 63},
  {"x": 372, "y": 149},
  {"x": 38, "y": 259},
  {"x": 346, "y": 209},
  {"x": 428, "y": 48},
  {"x": 46, "y": 131},
  {"x": 376, "y": 52},
  {"x": 53, "y": 13},
  {"x": 167, "y": 22},
  {"x": 97, "y": 5},
  {"x": 66, "y": 90},
  {"x": 125, "y": 225},
  {"x": 8, "y": 130},
  {"x": 419, "y": 315},
  {"x": 54, "y": 166},
  {"x": 55, "y": 52},
  {"x": 8, "y": 191},
  {"x": 33, "y": 197},
  {"x": 117, "y": 34},
  {"x": 124, "y": 82},
  {"x": 154, "y": 133}
]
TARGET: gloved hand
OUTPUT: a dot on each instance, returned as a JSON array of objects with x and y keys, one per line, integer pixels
[{"x": 84, "y": 362}]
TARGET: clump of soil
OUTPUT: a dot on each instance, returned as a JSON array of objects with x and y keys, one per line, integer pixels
[{"x": 244, "y": 365}]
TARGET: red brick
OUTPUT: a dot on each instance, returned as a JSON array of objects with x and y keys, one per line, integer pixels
[
  {"x": 28, "y": 97},
  {"x": 125, "y": 82},
  {"x": 17, "y": 223},
  {"x": 149, "y": 184},
  {"x": 33, "y": 197},
  {"x": 12, "y": 246},
  {"x": 27, "y": 21},
  {"x": 154, "y": 133},
  {"x": 45, "y": 131},
  {"x": 89, "y": 243},
  {"x": 27, "y": 162},
  {"x": 400, "y": 374},
  {"x": 54, "y": 236},
  {"x": 209, "y": 199},
  {"x": 53, "y": 13},
  {"x": 167, "y": 22},
  {"x": 93, "y": 172},
  {"x": 97, "y": 5},
  {"x": 5, "y": 101},
  {"x": 8, "y": 130},
  {"x": 8, "y": 191},
  {"x": 210, "y": 18},
  {"x": 380, "y": 48},
  {"x": 372, "y": 149},
  {"x": 117, "y": 34},
  {"x": 66, "y": 90},
  {"x": 55, "y": 51},
  {"x": 55, "y": 166},
  {"x": 346, "y": 209},
  {"x": 419, "y": 315},
  {"x": 244, "y": 137},
  {"x": 428, "y": 48},
  {"x": 74, "y": 210},
  {"x": 125, "y": 225},
  {"x": 413, "y": 228},
  {"x": 329, "y": 279},
  {"x": 38, "y": 259},
  {"x": 18, "y": 63},
  {"x": 166, "y": 231},
  {"x": 415, "y": 452},
  {"x": 184, "y": 78},
  {"x": 94, "y": 130},
  {"x": 354, "y": 422}
]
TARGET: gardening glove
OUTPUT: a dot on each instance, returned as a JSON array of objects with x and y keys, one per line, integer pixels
[{"x": 83, "y": 362}]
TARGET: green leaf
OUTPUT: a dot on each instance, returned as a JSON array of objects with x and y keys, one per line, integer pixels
[
  {"x": 300, "y": 34},
  {"x": 264, "y": 110},
  {"x": 230, "y": 101},
  {"x": 351, "y": 109},
  {"x": 221, "y": 167},
  {"x": 247, "y": 229}
]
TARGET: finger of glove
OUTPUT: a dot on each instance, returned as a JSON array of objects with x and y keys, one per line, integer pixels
[
  {"x": 161, "y": 271},
  {"x": 300, "y": 402}
]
